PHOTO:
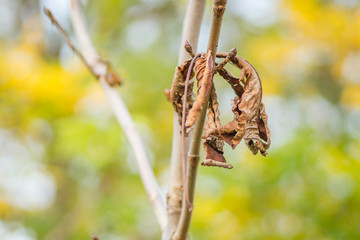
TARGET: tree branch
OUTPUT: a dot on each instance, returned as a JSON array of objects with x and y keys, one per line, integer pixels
[
  {"x": 123, "y": 116},
  {"x": 191, "y": 29},
  {"x": 194, "y": 157}
]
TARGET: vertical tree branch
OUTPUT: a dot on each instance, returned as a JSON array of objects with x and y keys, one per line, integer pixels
[
  {"x": 191, "y": 30},
  {"x": 121, "y": 113},
  {"x": 185, "y": 218},
  {"x": 219, "y": 7}
]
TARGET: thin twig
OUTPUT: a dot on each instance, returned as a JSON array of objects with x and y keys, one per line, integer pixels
[
  {"x": 111, "y": 77},
  {"x": 191, "y": 29},
  {"x": 219, "y": 7},
  {"x": 100, "y": 68},
  {"x": 68, "y": 40},
  {"x": 185, "y": 218},
  {"x": 183, "y": 150}
]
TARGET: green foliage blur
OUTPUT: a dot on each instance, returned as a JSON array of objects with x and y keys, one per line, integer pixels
[{"x": 67, "y": 171}]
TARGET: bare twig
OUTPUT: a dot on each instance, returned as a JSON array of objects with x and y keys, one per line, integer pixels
[
  {"x": 219, "y": 7},
  {"x": 67, "y": 38},
  {"x": 183, "y": 152},
  {"x": 185, "y": 218},
  {"x": 190, "y": 32},
  {"x": 111, "y": 77},
  {"x": 100, "y": 68}
]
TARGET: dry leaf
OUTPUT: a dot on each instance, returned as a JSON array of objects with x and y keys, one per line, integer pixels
[
  {"x": 178, "y": 87},
  {"x": 204, "y": 66},
  {"x": 232, "y": 80},
  {"x": 213, "y": 145},
  {"x": 250, "y": 119}
]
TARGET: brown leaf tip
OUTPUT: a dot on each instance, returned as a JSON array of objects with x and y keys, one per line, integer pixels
[
  {"x": 232, "y": 53},
  {"x": 47, "y": 11},
  {"x": 49, "y": 14},
  {"x": 255, "y": 146},
  {"x": 213, "y": 148},
  {"x": 213, "y": 163},
  {"x": 189, "y": 49}
]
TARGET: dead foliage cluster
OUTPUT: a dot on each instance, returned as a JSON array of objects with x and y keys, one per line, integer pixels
[{"x": 250, "y": 119}]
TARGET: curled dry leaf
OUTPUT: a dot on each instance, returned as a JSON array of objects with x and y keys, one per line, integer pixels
[
  {"x": 213, "y": 145},
  {"x": 204, "y": 66},
  {"x": 189, "y": 49},
  {"x": 232, "y": 80},
  {"x": 250, "y": 119},
  {"x": 178, "y": 87}
]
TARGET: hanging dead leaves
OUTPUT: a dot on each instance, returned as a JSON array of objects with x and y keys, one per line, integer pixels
[{"x": 250, "y": 119}]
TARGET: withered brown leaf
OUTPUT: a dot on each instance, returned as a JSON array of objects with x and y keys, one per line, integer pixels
[
  {"x": 232, "y": 80},
  {"x": 213, "y": 145},
  {"x": 178, "y": 87},
  {"x": 250, "y": 119},
  {"x": 204, "y": 66}
]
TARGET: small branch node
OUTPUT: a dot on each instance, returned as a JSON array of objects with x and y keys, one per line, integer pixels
[{"x": 189, "y": 49}]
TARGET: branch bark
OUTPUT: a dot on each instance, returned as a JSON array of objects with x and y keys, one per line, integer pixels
[
  {"x": 194, "y": 156},
  {"x": 191, "y": 30},
  {"x": 122, "y": 114}
]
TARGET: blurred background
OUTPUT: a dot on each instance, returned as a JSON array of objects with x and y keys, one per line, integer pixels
[{"x": 66, "y": 170}]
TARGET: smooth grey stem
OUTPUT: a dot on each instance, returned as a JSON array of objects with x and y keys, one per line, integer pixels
[
  {"x": 185, "y": 218},
  {"x": 122, "y": 115},
  {"x": 191, "y": 30},
  {"x": 219, "y": 7}
]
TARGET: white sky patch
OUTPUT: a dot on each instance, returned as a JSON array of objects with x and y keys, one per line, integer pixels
[
  {"x": 352, "y": 125},
  {"x": 259, "y": 12},
  {"x": 350, "y": 68},
  {"x": 284, "y": 118},
  {"x": 142, "y": 34},
  {"x": 322, "y": 116},
  {"x": 66, "y": 57},
  {"x": 15, "y": 231},
  {"x": 24, "y": 182},
  {"x": 61, "y": 11},
  {"x": 204, "y": 36},
  {"x": 348, "y": 3},
  {"x": 7, "y": 16}
]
